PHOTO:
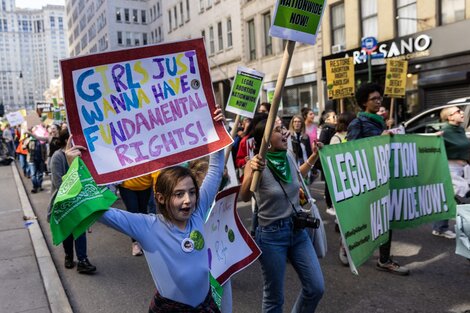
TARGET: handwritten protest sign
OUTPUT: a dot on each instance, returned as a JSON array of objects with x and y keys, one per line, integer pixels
[
  {"x": 340, "y": 78},
  {"x": 15, "y": 118},
  {"x": 245, "y": 92},
  {"x": 44, "y": 107},
  {"x": 32, "y": 119},
  {"x": 385, "y": 182},
  {"x": 395, "y": 78},
  {"x": 142, "y": 109},
  {"x": 297, "y": 20},
  {"x": 230, "y": 246}
]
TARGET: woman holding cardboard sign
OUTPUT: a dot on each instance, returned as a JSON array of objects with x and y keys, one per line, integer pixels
[{"x": 278, "y": 234}]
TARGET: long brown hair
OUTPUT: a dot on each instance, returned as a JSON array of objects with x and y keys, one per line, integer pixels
[{"x": 165, "y": 185}]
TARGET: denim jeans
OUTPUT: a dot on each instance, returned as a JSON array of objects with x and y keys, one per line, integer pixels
[
  {"x": 36, "y": 170},
  {"x": 136, "y": 201},
  {"x": 80, "y": 246},
  {"x": 24, "y": 164},
  {"x": 279, "y": 242}
]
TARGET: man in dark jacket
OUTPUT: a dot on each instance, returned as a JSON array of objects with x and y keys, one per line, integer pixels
[
  {"x": 36, "y": 159},
  {"x": 368, "y": 124}
]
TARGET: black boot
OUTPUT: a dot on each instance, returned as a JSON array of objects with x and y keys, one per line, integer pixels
[
  {"x": 85, "y": 267},
  {"x": 69, "y": 263}
]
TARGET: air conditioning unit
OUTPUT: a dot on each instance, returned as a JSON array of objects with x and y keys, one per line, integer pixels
[{"x": 337, "y": 49}]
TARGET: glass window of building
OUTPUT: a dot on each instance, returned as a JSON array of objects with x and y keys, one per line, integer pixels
[
  {"x": 187, "y": 10},
  {"x": 176, "y": 17},
  {"x": 369, "y": 18},
  {"x": 119, "y": 38},
  {"x": 169, "y": 20},
  {"x": 220, "y": 36},
  {"x": 201, "y": 5},
  {"x": 406, "y": 17},
  {"x": 229, "y": 32},
  {"x": 135, "y": 17},
  {"x": 268, "y": 42},
  {"x": 211, "y": 40},
  {"x": 136, "y": 39},
  {"x": 452, "y": 11},
  {"x": 118, "y": 15},
  {"x": 144, "y": 39},
  {"x": 251, "y": 40},
  {"x": 126, "y": 15},
  {"x": 337, "y": 24},
  {"x": 181, "y": 14},
  {"x": 143, "y": 16}
]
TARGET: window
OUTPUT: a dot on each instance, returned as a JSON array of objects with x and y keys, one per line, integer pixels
[
  {"x": 268, "y": 43},
  {"x": 369, "y": 18},
  {"x": 143, "y": 17},
  {"x": 337, "y": 24},
  {"x": 187, "y": 10},
  {"x": 219, "y": 36},
  {"x": 201, "y": 5},
  {"x": 209, "y": 3},
  {"x": 251, "y": 40},
  {"x": 211, "y": 40},
  {"x": 52, "y": 20},
  {"x": 144, "y": 39},
  {"x": 176, "y": 17},
  {"x": 169, "y": 20},
  {"x": 119, "y": 38},
  {"x": 126, "y": 15},
  {"x": 203, "y": 35},
  {"x": 406, "y": 10},
  {"x": 135, "y": 17},
  {"x": 128, "y": 39},
  {"x": 181, "y": 14},
  {"x": 118, "y": 15},
  {"x": 229, "y": 32},
  {"x": 136, "y": 39},
  {"x": 452, "y": 11}
]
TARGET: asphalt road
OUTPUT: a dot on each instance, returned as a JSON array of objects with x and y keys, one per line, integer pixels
[{"x": 439, "y": 282}]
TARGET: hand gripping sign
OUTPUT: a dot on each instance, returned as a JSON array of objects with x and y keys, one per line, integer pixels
[{"x": 143, "y": 109}]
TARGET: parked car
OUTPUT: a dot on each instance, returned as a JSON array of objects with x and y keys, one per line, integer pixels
[{"x": 429, "y": 121}]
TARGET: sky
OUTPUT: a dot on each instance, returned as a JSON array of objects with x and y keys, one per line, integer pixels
[{"x": 36, "y": 4}]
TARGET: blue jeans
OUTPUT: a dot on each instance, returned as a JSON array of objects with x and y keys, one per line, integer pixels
[
  {"x": 24, "y": 164},
  {"x": 80, "y": 246},
  {"x": 36, "y": 170},
  {"x": 279, "y": 242}
]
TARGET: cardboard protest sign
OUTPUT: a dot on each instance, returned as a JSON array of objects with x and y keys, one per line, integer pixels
[
  {"x": 143, "y": 109},
  {"x": 395, "y": 78},
  {"x": 245, "y": 92},
  {"x": 32, "y": 119},
  {"x": 40, "y": 131},
  {"x": 15, "y": 118},
  {"x": 229, "y": 244},
  {"x": 270, "y": 97},
  {"x": 385, "y": 182},
  {"x": 340, "y": 78},
  {"x": 297, "y": 20}
]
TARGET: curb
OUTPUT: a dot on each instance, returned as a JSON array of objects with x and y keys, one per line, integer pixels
[{"x": 55, "y": 292}]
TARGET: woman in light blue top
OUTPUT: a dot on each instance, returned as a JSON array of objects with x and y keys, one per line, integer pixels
[{"x": 173, "y": 241}]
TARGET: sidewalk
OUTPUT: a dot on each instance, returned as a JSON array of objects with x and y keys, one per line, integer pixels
[{"x": 29, "y": 279}]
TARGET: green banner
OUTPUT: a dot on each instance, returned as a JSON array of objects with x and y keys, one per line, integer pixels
[
  {"x": 245, "y": 92},
  {"x": 297, "y": 20},
  {"x": 386, "y": 182},
  {"x": 78, "y": 204}
]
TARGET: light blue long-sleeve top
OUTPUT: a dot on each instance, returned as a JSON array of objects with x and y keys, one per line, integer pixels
[{"x": 178, "y": 275}]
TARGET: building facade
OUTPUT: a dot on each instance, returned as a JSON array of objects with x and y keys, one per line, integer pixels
[
  {"x": 429, "y": 34},
  {"x": 31, "y": 44},
  {"x": 236, "y": 33}
]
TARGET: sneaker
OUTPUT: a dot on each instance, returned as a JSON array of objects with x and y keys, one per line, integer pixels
[
  {"x": 331, "y": 211},
  {"x": 34, "y": 190},
  {"x": 85, "y": 267},
  {"x": 343, "y": 257},
  {"x": 69, "y": 263},
  {"x": 446, "y": 234},
  {"x": 136, "y": 249},
  {"x": 392, "y": 267}
]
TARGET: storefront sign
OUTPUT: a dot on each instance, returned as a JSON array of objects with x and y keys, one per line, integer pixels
[
  {"x": 245, "y": 92},
  {"x": 395, "y": 78},
  {"x": 340, "y": 78},
  {"x": 297, "y": 20}
]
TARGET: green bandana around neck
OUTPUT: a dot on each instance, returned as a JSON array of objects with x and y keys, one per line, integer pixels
[
  {"x": 375, "y": 117},
  {"x": 278, "y": 164}
]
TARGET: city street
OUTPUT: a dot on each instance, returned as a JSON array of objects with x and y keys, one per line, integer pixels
[{"x": 439, "y": 280}]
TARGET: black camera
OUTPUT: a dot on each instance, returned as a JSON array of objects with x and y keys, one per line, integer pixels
[{"x": 303, "y": 219}]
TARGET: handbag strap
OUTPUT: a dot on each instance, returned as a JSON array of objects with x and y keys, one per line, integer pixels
[{"x": 283, "y": 190}]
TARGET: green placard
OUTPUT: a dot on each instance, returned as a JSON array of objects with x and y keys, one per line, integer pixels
[
  {"x": 387, "y": 182},
  {"x": 245, "y": 92}
]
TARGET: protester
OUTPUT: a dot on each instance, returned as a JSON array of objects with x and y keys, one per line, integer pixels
[
  {"x": 458, "y": 151},
  {"x": 368, "y": 124},
  {"x": 310, "y": 126},
  {"x": 328, "y": 129},
  {"x": 264, "y": 107},
  {"x": 58, "y": 169},
  {"x": 173, "y": 241},
  {"x": 277, "y": 195},
  {"x": 8, "y": 139},
  {"x": 299, "y": 144},
  {"x": 37, "y": 155},
  {"x": 22, "y": 152},
  {"x": 383, "y": 111}
]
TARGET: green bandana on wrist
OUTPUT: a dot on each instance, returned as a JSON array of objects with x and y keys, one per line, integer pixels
[
  {"x": 379, "y": 119},
  {"x": 278, "y": 164}
]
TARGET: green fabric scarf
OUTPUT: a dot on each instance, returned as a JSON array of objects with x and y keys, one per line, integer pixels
[
  {"x": 278, "y": 164},
  {"x": 379, "y": 119}
]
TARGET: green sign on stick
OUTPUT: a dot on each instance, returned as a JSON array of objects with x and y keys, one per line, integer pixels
[
  {"x": 297, "y": 20},
  {"x": 386, "y": 182},
  {"x": 245, "y": 92}
]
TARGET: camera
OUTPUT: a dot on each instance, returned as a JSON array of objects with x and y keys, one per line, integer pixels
[{"x": 303, "y": 219}]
